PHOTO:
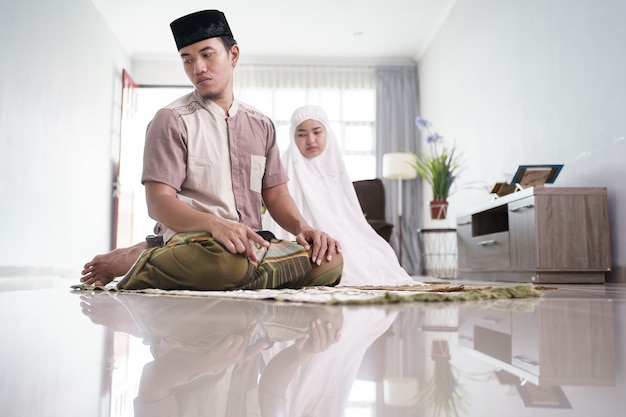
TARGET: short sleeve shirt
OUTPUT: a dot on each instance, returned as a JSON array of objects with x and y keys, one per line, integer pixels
[{"x": 217, "y": 163}]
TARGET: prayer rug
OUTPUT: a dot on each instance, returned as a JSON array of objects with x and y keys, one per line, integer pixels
[{"x": 428, "y": 292}]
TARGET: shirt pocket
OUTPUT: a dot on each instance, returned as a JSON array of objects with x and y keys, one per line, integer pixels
[{"x": 257, "y": 170}]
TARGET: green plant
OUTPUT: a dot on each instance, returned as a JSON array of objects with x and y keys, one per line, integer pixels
[
  {"x": 439, "y": 164},
  {"x": 442, "y": 394}
]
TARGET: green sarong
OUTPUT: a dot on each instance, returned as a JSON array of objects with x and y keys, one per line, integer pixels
[{"x": 196, "y": 261}]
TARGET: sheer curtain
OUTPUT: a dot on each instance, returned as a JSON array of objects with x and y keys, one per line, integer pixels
[
  {"x": 397, "y": 106},
  {"x": 304, "y": 76}
]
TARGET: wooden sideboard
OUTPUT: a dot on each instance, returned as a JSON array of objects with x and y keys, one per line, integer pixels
[
  {"x": 540, "y": 235},
  {"x": 555, "y": 341}
]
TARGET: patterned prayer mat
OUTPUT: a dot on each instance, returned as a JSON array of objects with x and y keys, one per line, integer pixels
[{"x": 425, "y": 292}]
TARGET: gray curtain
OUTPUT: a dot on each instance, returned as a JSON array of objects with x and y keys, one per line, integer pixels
[{"x": 397, "y": 106}]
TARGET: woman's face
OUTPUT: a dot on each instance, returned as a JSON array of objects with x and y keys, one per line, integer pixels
[{"x": 311, "y": 138}]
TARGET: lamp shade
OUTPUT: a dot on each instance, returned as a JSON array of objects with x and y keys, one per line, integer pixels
[
  {"x": 401, "y": 391},
  {"x": 396, "y": 166}
]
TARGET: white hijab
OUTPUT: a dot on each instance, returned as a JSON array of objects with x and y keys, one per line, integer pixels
[{"x": 326, "y": 198}]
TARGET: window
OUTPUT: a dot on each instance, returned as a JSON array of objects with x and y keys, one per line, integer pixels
[{"x": 348, "y": 96}]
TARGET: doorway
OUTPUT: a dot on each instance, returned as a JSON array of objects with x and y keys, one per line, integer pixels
[{"x": 132, "y": 222}]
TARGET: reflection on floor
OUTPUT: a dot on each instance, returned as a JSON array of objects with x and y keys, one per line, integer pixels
[{"x": 122, "y": 355}]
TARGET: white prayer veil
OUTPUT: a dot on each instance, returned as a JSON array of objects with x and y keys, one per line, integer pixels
[{"x": 325, "y": 196}]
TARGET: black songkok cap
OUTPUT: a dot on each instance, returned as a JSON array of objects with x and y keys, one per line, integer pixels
[{"x": 199, "y": 26}]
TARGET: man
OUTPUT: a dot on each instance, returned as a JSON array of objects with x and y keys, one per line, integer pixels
[{"x": 210, "y": 162}]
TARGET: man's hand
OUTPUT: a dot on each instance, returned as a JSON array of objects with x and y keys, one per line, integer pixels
[
  {"x": 283, "y": 209},
  {"x": 236, "y": 238},
  {"x": 323, "y": 244},
  {"x": 321, "y": 335},
  {"x": 166, "y": 208}
]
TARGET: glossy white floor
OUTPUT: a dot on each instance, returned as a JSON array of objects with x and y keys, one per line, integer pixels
[{"x": 83, "y": 354}]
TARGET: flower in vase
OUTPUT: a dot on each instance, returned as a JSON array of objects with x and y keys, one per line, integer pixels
[{"x": 438, "y": 164}]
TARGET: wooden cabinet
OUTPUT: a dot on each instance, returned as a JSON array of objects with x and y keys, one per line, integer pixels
[
  {"x": 555, "y": 342},
  {"x": 575, "y": 351},
  {"x": 541, "y": 235}
]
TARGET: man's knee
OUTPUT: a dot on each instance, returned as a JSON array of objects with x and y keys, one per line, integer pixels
[{"x": 328, "y": 273}]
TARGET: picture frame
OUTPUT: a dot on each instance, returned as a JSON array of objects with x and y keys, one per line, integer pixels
[
  {"x": 536, "y": 175},
  {"x": 539, "y": 396}
]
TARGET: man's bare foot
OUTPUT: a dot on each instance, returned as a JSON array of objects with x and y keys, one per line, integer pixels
[
  {"x": 103, "y": 268},
  {"x": 109, "y": 311}
]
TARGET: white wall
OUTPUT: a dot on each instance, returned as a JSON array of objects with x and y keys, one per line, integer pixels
[
  {"x": 513, "y": 81},
  {"x": 533, "y": 81},
  {"x": 160, "y": 72},
  {"x": 60, "y": 84}
]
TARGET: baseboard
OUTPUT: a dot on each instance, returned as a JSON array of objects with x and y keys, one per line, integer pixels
[
  {"x": 33, "y": 271},
  {"x": 617, "y": 274}
]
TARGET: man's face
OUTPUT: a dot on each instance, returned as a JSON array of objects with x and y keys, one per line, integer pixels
[{"x": 209, "y": 66}]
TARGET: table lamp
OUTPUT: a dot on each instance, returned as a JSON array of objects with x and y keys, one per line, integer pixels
[{"x": 396, "y": 166}]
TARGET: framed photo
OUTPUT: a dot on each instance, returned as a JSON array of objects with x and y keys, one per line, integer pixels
[
  {"x": 550, "y": 396},
  {"x": 536, "y": 175}
]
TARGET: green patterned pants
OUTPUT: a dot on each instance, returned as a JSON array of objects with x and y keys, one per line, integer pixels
[{"x": 196, "y": 261}]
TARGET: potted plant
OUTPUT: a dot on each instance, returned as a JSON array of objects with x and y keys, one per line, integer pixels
[
  {"x": 438, "y": 165},
  {"x": 443, "y": 394}
]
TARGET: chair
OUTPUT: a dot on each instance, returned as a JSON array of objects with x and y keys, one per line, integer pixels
[{"x": 371, "y": 195}]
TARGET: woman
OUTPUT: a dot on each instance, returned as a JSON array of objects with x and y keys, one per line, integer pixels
[{"x": 322, "y": 190}]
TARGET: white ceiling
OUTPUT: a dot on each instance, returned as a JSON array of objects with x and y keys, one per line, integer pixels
[{"x": 287, "y": 30}]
